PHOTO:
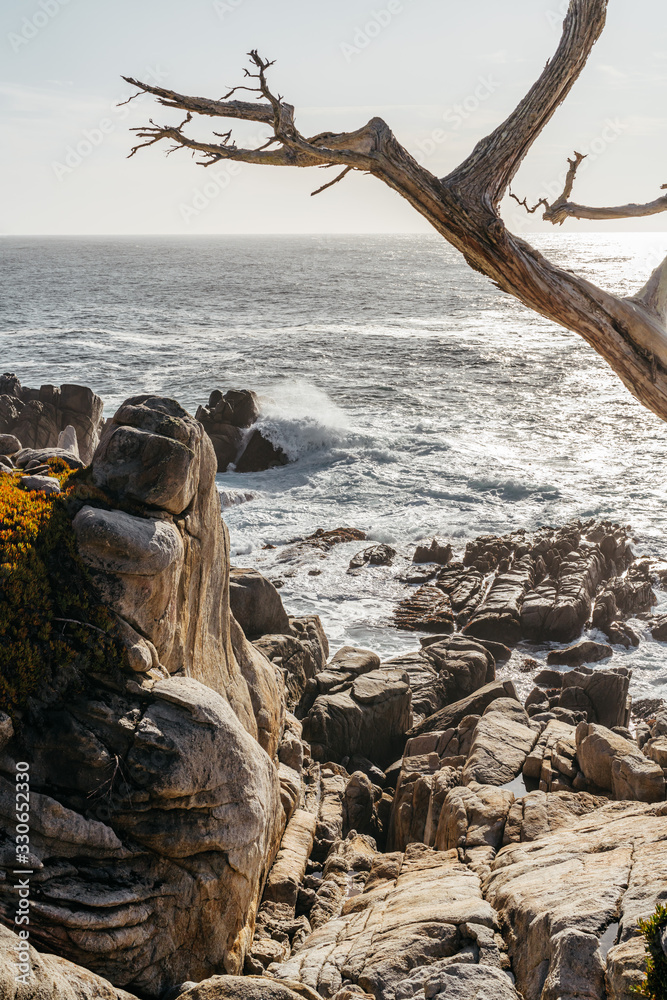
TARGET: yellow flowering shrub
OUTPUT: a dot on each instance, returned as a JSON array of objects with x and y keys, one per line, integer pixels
[{"x": 51, "y": 625}]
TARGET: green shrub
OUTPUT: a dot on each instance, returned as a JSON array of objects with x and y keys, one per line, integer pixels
[
  {"x": 655, "y": 983},
  {"x": 52, "y": 627}
]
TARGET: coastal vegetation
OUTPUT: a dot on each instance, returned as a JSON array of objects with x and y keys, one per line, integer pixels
[
  {"x": 654, "y": 930},
  {"x": 50, "y": 621}
]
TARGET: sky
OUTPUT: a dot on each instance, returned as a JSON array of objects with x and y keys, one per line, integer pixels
[{"x": 442, "y": 73}]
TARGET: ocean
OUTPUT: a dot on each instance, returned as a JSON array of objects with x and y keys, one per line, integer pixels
[{"x": 413, "y": 396}]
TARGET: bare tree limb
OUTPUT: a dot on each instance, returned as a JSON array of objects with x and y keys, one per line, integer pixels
[
  {"x": 630, "y": 333},
  {"x": 567, "y": 210},
  {"x": 493, "y": 164},
  {"x": 562, "y": 209},
  {"x": 245, "y": 110},
  {"x": 653, "y": 296}
]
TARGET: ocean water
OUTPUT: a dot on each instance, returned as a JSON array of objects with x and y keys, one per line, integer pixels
[{"x": 414, "y": 397}]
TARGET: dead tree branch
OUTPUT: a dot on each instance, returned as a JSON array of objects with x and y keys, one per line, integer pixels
[
  {"x": 542, "y": 203},
  {"x": 631, "y": 334},
  {"x": 562, "y": 209}
]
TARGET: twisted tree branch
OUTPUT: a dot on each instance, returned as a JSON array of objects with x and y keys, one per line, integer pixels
[
  {"x": 494, "y": 162},
  {"x": 630, "y": 333}
]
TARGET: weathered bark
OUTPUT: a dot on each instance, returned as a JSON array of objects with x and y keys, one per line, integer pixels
[{"x": 630, "y": 333}]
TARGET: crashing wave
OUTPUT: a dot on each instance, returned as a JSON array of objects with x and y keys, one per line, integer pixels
[{"x": 300, "y": 419}]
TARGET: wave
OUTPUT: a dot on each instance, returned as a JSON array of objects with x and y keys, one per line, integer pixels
[
  {"x": 513, "y": 489},
  {"x": 300, "y": 418}
]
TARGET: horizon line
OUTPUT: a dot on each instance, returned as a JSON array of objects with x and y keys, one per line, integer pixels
[{"x": 546, "y": 232}]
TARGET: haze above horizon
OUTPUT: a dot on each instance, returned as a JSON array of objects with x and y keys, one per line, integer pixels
[{"x": 441, "y": 75}]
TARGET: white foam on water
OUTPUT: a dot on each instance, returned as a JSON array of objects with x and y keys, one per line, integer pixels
[
  {"x": 415, "y": 398},
  {"x": 300, "y": 418}
]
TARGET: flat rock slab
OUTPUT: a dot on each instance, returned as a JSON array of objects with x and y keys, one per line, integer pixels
[
  {"x": 378, "y": 686},
  {"x": 558, "y": 895},
  {"x": 427, "y": 610},
  {"x": 538, "y": 814},
  {"x": 431, "y": 910},
  {"x": 499, "y": 615},
  {"x": 469, "y": 982},
  {"x": 245, "y": 988},
  {"x": 354, "y": 661}
]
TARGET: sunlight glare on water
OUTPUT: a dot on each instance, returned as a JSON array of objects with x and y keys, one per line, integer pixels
[{"x": 415, "y": 396}]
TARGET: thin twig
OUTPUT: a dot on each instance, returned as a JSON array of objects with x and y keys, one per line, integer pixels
[
  {"x": 73, "y": 621},
  {"x": 524, "y": 203},
  {"x": 331, "y": 183}
]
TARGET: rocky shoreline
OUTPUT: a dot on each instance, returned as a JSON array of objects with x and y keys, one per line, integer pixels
[{"x": 225, "y": 809}]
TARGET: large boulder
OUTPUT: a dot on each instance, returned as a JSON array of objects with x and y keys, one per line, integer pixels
[
  {"x": 225, "y": 418},
  {"x": 260, "y": 453},
  {"x": 462, "y": 664},
  {"x": 369, "y": 717},
  {"x": 256, "y": 604},
  {"x": 164, "y": 569},
  {"x": 148, "y": 861},
  {"x": 474, "y": 704},
  {"x": 597, "y": 694},
  {"x": 9, "y": 444},
  {"x": 229, "y": 420},
  {"x": 376, "y": 555},
  {"x": 161, "y": 785},
  {"x": 444, "y": 671},
  {"x": 436, "y": 552},
  {"x": 499, "y": 749},
  {"x": 610, "y": 762},
  {"x": 583, "y": 652},
  {"x": 37, "y": 417}
]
